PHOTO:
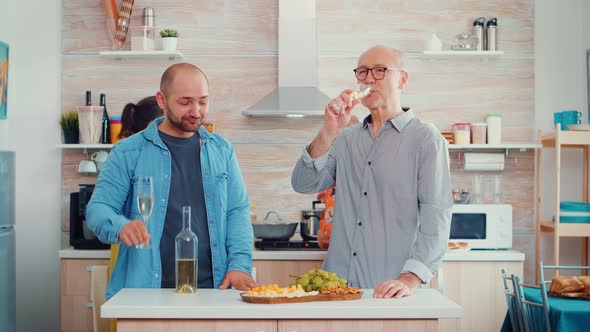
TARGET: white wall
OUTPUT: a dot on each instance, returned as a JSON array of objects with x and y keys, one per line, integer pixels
[
  {"x": 561, "y": 39},
  {"x": 34, "y": 95}
]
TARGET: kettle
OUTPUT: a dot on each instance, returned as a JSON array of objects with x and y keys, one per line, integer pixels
[{"x": 309, "y": 226}]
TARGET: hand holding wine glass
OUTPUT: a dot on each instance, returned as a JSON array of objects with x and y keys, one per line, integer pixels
[
  {"x": 145, "y": 201},
  {"x": 346, "y": 99}
]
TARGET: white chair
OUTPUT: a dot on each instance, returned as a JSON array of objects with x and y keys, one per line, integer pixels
[
  {"x": 514, "y": 309},
  {"x": 99, "y": 276},
  {"x": 535, "y": 316}
]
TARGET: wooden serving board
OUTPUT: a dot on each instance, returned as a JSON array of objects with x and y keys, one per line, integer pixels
[
  {"x": 577, "y": 296},
  {"x": 313, "y": 298}
]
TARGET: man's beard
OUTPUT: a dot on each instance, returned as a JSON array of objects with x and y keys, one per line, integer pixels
[{"x": 184, "y": 125}]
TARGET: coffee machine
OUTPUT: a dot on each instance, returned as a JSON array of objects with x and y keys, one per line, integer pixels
[{"x": 81, "y": 237}]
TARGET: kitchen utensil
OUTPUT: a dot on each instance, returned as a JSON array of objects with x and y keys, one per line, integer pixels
[
  {"x": 274, "y": 231},
  {"x": 112, "y": 17},
  {"x": 310, "y": 222},
  {"x": 123, "y": 22}
]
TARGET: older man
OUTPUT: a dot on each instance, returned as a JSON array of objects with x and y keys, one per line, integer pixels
[{"x": 392, "y": 217}]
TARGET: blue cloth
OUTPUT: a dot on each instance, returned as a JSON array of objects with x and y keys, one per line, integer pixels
[
  {"x": 113, "y": 205},
  {"x": 566, "y": 315},
  {"x": 186, "y": 189}
]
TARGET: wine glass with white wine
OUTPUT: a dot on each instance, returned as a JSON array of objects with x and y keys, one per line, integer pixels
[
  {"x": 360, "y": 91},
  {"x": 145, "y": 201}
]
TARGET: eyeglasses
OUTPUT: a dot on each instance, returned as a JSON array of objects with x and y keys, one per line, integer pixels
[{"x": 378, "y": 73}]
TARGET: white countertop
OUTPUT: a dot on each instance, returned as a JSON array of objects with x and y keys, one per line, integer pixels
[
  {"x": 227, "y": 304},
  {"x": 466, "y": 256}
]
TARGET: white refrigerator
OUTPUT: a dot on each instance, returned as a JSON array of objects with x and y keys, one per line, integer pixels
[{"x": 7, "y": 243}]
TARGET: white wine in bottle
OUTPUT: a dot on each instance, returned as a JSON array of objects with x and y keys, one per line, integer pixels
[
  {"x": 186, "y": 256},
  {"x": 186, "y": 275}
]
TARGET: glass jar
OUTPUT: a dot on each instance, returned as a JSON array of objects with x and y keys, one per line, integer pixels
[
  {"x": 478, "y": 133},
  {"x": 143, "y": 38},
  {"x": 462, "y": 133}
]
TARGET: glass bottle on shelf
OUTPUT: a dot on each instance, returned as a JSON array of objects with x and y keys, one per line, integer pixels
[
  {"x": 186, "y": 256},
  {"x": 106, "y": 127}
]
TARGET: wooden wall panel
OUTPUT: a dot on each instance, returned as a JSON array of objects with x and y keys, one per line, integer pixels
[
  {"x": 235, "y": 42},
  {"x": 205, "y": 26},
  {"x": 353, "y": 26}
]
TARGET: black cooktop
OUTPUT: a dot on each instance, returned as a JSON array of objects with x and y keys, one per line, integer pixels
[{"x": 286, "y": 245}]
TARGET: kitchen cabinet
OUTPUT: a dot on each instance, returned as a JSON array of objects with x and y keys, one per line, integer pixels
[
  {"x": 559, "y": 140},
  {"x": 471, "y": 279},
  {"x": 76, "y": 307},
  {"x": 477, "y": 287}
]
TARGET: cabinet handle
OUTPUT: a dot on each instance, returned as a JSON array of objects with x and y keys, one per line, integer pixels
[
  {"x": 90, "y": 305},
  {"x": 89, "y": 268}
]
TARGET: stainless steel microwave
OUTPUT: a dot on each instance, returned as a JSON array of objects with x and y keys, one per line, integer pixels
[{"x": 483, "y": 226}]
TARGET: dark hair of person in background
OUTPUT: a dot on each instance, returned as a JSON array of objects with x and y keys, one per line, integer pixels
[{"x": 136, "y": 117}]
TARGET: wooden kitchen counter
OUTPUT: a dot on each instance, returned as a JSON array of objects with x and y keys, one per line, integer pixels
[{"x": 153, "y": 310}]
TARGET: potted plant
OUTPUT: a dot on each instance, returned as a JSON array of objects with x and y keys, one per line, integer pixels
[
  {"x": 169, "y": 39},
  {"x": 69, "y": 124}
]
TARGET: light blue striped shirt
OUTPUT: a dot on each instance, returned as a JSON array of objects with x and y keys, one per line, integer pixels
[{"x": 393, "y": 201}]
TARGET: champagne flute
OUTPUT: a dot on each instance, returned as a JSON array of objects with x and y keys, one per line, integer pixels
[
  {"x": 145, "y": 201},
  {"x": 360, "y": 91}
]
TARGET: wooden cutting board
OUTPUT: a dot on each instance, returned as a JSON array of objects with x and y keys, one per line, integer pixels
[{"x": 319, "y": 297}]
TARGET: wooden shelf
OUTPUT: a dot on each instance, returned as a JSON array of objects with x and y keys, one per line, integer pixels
[
  {"x": 85, "y": 146},
  {"x": 462, "y": 54},
  {"x": 567, "y": 229},
  {"x": 557, "y": 140},
  {"x": 567, "y": 138},
  {"x": 141, "y": 54},
  {"x": 505, "y": 146}
]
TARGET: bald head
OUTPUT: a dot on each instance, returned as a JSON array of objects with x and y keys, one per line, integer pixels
[
  {"x": 167, "y": 81},
  {"x": 394, "y": 56}
]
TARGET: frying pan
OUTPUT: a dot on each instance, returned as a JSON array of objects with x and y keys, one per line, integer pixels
[{"x": 274, "y": 231}]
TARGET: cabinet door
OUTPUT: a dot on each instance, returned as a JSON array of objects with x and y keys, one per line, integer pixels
[
  {"x": 76, "y": 315},
  {"x": 277, "y": 272},
  {"x": 358, "y": 325},
  {"x": 181, "y": 325},
  {"x": 478, "y": 288}
]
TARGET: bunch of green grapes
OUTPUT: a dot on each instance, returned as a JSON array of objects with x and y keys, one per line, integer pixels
[{"x": 317, "y": 280}]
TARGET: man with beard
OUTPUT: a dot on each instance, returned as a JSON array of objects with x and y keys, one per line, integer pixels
[{"x": 189, "y": 167}]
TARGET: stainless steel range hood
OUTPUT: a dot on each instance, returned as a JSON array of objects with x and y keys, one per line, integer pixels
[{"x": 297, "y": 94}]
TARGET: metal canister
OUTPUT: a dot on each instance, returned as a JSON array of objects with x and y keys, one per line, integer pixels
[
  {"x": 149, "y": 17},
  {"x": 478, "y": 32},
  {"x": 492, "y": 34}
]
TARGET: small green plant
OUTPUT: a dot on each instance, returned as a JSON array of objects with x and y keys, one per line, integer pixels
[
  {"x": 169, "y": 33},
  {"x": 69, "y": 121}
]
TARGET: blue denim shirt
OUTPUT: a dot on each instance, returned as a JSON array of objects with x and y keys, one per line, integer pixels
[{"x": 113, "y": 205}]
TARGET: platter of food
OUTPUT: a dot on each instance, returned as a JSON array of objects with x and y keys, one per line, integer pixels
[{"x": 272, "y": 294}]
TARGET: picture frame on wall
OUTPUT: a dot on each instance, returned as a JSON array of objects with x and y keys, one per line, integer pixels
[{"x": 4, "y": 48}]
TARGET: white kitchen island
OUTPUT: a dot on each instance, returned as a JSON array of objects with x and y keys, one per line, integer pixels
[{"x": 159, "y": 310}]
